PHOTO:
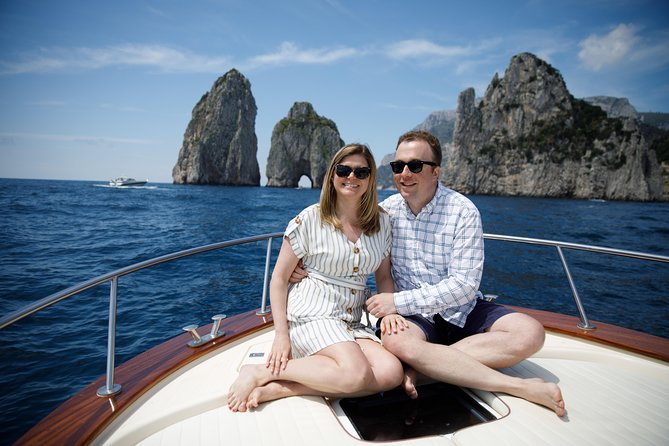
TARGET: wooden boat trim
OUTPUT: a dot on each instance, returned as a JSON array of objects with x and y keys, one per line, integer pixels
[
  {"x": 79, "y": 420},
  {"x": 83, "y": 417},
  {"x": 611, "y": 335}
]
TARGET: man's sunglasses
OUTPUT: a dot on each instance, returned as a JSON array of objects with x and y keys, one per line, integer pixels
[
  {"x": 344, "y": 171},
  {"x": 415, "y": 166}
]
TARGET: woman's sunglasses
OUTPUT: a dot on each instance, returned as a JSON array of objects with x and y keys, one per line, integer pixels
[
  {"x": 415, "y": 166},
  {"x": 344, "y": 171}
]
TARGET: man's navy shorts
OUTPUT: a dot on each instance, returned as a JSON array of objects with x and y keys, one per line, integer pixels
[{"x": 481, "y": 318}]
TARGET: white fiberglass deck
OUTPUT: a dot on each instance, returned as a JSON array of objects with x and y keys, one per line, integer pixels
[{"x": 612, "y": 397}]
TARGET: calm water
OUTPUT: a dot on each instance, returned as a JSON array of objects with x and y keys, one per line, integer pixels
[{"x": 54, "y": 234}]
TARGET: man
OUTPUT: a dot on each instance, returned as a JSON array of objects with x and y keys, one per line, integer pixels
[{"x": 437, "y": 262}]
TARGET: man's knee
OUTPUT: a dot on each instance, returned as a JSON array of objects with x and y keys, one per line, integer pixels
[
  {"x": 527, "y": 333},
  {"x": 401, "y": 345},
  {"x": 532, "y": 337}
]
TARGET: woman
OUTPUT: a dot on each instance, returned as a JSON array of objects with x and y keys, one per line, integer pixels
[{"x": 320, "y": 346}]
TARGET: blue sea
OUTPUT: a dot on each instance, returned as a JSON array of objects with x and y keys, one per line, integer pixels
[{"x": 54, "y": 234}]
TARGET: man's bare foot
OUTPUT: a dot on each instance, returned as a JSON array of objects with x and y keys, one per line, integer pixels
[
  {"x": 547, "y": 394},
  {"x": 409, "y": 383},
  {"x": 250, "y": 377}
]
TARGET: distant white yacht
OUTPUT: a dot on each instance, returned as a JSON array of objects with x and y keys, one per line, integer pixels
[{"x": 126, "y": 181}]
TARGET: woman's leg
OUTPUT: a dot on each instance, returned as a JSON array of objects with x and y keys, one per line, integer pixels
[
  {"x": 386, "y": 369},
  {"x": 341, "y": 368}
]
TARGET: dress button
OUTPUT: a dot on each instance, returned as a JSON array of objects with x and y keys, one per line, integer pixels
[
  {"x": 356, "y": 250},
  {"x": 353, "y": 291},
  {"x": 355, "y": 269},
  {"x": 298, "y": 220},
  {"x": 349, "y": 310}
]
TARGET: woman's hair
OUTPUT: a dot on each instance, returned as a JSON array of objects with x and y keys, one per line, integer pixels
[{"x": 369, "y": 204}]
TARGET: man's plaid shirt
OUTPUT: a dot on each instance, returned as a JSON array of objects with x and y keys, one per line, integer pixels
[{"x": 437, "y": 255}]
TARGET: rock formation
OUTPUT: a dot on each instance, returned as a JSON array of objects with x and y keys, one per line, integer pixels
[
  {"x": 441, "y": 124},
  {"x": 384, "y": 175},
  {"x": 303, "y": 143},
  {"x": 528, "y": 136},
  {"x": 614, "y": 107},
  {"x": 220, "y": 143}
]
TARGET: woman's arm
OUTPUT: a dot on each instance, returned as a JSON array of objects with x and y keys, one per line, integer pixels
[
  {"x": 278, "y": 296},
  {"x": 384, "y": 278},
  {"x": 384, "y": 284}
]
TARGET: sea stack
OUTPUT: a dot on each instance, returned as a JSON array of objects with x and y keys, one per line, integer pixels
[
  {"x": 529, "y": 136},
  {"x": 220, "y": 144},
  {"x": 303, "y": 143}
]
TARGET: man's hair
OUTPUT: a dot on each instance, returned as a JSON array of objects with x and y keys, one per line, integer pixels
[
  {"x": 429, "y": 138},
  {"x": 368, "y": 213}
]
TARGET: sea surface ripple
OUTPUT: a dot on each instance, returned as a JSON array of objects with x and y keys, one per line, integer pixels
[{"x": 54, "y": 234}]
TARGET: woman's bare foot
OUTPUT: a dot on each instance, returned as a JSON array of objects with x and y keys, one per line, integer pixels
[
  {"x": 271, "y": 391},
  {"x": 250, "y": 377},
  {"x": 409, "y": 383},
  {"x": 547, "y": 394}
]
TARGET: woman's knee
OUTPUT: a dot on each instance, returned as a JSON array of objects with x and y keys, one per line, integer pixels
[{"x": 356, "y": 378}]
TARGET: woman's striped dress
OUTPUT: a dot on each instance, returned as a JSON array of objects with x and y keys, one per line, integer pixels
[{"x": 326, "y": 307}]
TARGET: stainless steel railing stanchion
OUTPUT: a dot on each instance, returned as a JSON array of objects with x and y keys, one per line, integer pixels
[
  {"x": 585, "y": 323},
  {"x": 110, "y": 388},
  {"x": 265, "y": 283}
]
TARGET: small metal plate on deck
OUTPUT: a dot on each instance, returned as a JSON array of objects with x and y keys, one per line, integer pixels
[{"x": 256, "y": 355}]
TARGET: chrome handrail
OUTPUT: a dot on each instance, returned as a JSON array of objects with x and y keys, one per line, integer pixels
[
  {"x": 585, "y": 322},
  {"x": 111, "y": 388},
  {"x": 104, "y": 278}
]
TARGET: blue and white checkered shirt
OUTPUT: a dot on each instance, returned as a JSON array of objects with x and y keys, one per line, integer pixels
[{"x": 437, "y": 255}]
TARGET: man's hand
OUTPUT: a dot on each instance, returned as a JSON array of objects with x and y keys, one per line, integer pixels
[
  {"x": 380, "y": 305},
  {"x": 298, "y": 273}
]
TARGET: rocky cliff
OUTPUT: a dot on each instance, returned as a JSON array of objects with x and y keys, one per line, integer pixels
[
  {"x": 528, "y": 136},
  {"x": 614, "y": 107},
  {"x": 220, "y": 143},
  {"x": 441, "y": 124},
  {"x": 303, "y": 143}
]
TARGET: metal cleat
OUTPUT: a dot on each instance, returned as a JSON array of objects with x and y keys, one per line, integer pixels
[
  {"x": 490, "y": 297},
  {"x": 214, "y": 334}
]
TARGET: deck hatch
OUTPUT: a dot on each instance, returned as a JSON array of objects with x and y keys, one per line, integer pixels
[{"x": 441, "y": 409}]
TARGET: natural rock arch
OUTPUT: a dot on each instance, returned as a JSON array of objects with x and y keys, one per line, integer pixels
[{"x": 303, "y": 143}]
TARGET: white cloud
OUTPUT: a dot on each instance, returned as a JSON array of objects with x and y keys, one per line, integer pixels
[
  {"x": 417, "y": 48},
  {"x": 162, "y": 57},
  {"x": 289, "y": 53},
  {"x": 598, "y": 52}
]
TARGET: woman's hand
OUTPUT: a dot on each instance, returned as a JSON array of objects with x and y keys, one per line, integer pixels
[
  {"x": 279, "y": 355},
  {"x": 393, "y": 322}
]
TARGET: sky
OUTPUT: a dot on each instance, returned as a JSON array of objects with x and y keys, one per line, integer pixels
[{"x": 94, "y": 90}]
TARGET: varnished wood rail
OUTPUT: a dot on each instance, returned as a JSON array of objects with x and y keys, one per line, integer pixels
[
  {"x": 83, "y": 417},
  {"x": 79, "y": 420}
]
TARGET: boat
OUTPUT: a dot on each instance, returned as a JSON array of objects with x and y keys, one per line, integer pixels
[
  {"x": 126, "y": 181},
  {"x": 615, "y": 382}
]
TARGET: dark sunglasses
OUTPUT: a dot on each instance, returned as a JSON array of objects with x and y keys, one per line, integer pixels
[
  {"x": 415, "y": 166},
  {"x": 344, "y": 171}
]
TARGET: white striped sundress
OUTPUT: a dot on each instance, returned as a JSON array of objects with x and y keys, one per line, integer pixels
[{"x": 326, "y": 307}]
